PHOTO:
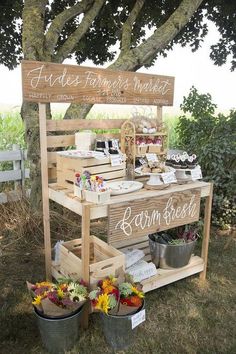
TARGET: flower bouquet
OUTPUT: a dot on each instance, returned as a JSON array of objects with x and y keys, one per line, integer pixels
[
  {"x": 59, "y": 299},
  {"x": 116, "y": 298}
]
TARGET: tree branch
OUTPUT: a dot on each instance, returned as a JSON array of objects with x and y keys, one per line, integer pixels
[
  {"x": 166, "y": 33},
  {"x": 75, "y": 37},
  {"x": 60, "y": 20},
  {"x": 128, "y": 25},
  {"x": 133, "y": 59},
  {"x": 33, "y": 40}
]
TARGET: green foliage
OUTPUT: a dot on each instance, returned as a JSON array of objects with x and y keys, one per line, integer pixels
[
  {"x": 98, "y": 43},
  {"x": 11, "y": 131},
  {"x": 212, "y": 137}
]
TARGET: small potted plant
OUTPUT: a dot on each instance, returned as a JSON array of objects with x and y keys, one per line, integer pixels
[
  {"x": 173, "y": 248},
  {"x": 58, "y": 309},
  {"x": 121, "y": 303}
]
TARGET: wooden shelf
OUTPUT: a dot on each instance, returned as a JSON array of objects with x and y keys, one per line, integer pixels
[
  {"x": 65, "y": 197},
  {"x": 167, "y": 276},
  {"x": 148, "y": 134}
]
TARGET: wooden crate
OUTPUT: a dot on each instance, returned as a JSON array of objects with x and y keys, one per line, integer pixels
[
  {"x": 105, "y": 260},
  {"x": 67, "y": 166}
]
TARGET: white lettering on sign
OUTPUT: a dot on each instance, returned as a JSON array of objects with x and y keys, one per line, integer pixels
[
  {"x": 146, "y": 219},
  {"x": 138, "y": 318},
  {"x": 62, "y": 79},
  {"x": 141, "y": 220},
  {"x": 152, "y": 86}
]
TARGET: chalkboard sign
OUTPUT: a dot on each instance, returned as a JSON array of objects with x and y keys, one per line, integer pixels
[
  {"x": 141, "y": 217},
  {"x": 51, "y": 82}
]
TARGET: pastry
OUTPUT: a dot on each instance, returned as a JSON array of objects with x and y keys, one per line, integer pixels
[{"x": 146, "y": 169}]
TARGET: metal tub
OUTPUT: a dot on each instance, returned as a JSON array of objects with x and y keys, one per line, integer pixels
[
  {"x": 170, "y": 256},
  {"x": 59, "y": 334},
  {"x": 118, "y": 330}
]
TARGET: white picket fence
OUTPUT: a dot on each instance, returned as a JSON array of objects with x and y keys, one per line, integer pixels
[{"x": 18, "y": 174}]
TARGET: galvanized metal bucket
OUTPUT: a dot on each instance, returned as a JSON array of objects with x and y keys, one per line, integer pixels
[
  {"x": 59, "y": 334},
  {"x": 170, "y": 256},
  {"x": 118, "y": 330}
]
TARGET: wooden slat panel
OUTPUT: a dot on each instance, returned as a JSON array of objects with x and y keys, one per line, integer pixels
[
  {"x": 7, "y": 176},
  {"x": 77, "y": 124},
  {"x": 60, "y": 141},
  {"x": 14, "y": 155},
  {"x": 52, "y": 158}
]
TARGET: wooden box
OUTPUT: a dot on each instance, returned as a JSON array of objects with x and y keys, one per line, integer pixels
[
  {"x": 141, "y": 149},
  {"x": 155, "y": 148},
  {"x": 97, "y": 197},
  {"x": 67, "y": 166},
  {"x": 105, "y": 260}
]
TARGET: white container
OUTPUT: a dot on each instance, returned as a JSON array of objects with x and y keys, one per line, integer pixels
[
  {"x": 97, "y": 197},
  {"x": 85, "y": 140}
]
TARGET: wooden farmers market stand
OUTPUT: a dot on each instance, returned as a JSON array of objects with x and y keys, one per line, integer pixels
[{"x": 131, "y": 217}]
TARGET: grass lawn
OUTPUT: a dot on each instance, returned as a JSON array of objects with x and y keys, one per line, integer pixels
[{"x": 183, "y": 317}]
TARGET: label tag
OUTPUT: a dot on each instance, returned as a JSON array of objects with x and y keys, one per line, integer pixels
[
  {"x": 168, "y": 177},
  {"x": 152, "y": 157},
  {"x": 196, "y": 173},
  {"x": 138, "y": 318},
  {"x": 116, "y": 160}
]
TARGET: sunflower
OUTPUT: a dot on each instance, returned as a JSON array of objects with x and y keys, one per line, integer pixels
[
  {"x": 135, "y": 291},
  {"x": 103, "y": 303},
  {"x": 37, "y": 300}
]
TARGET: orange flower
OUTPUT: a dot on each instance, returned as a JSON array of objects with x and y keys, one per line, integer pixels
[{"x": 109, "y": 289}]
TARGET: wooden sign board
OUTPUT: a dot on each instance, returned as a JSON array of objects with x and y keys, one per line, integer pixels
[
  {"x": 145, "y": 216},
  {"x": 51, "y": 82}
]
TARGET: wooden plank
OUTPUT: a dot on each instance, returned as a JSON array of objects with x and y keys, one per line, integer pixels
[
  {"x": 52, "y": 158},
  {"x": 45, "y": 194},
  {"x": 52, "y": 82},
  {"x": 144, "y": 193},
  {"x": 73, "y": 203},
  {"x": 65, "y": 197},
  {"x": 14, "y": 155},
  {"x": 77, "y": 124},
  {"x": 206, "y": 232},
  {"x": 166, "y": 276},
  {"x": 54, "y": 141},
  {"x": 7, "y": 176},
  {"x": 131, "y": 220}
]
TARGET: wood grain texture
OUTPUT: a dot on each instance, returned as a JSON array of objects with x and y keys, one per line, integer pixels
[
  {"x": 51, "y": 82},
  {"x": 142, "y": 217},
  {"x": 206, "y": 232},
  {"x": 78, "y": 124},
  {"x": 45, "y": 194},
  {"x": 167, "y": 276}
]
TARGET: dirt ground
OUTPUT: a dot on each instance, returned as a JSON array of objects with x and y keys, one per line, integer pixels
[{"x": 184, "y": 317}]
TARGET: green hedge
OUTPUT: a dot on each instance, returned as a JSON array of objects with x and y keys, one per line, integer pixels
[{"x": 213, "y": 138}]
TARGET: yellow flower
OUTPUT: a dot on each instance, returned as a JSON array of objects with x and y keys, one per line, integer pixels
[
  {"x": 44, "y": 283},
  {"x": 37, "y": 300},
  {"x": 103, "y": 303},
  {"x": 60, "y": 293},
  {"x": 137, "y": 292}
]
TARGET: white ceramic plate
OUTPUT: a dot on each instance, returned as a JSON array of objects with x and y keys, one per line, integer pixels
[{"x": 123, "y": 187}]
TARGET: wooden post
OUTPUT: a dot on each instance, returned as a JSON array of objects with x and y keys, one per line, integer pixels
[
  {"x": 85, "y": 233},
  {"x": 45, "y": 195},
  {"x": 159, "y": 115},
  {"x": 206, "y": 231}
]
